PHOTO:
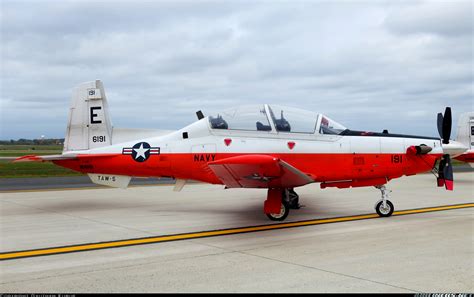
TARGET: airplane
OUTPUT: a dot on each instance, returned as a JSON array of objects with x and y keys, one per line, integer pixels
[{"x": 257, "y": 146}]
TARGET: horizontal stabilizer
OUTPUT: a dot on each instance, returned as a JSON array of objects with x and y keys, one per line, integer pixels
[{"x": 34, "y": 158}]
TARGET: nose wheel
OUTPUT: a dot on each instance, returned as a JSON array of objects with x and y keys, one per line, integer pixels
[
  {"x": 384, "y": 210},
  {"x": 384, "y": 207}
]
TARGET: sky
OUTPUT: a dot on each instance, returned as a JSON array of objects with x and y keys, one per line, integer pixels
[{"x": 370, "y": 65}]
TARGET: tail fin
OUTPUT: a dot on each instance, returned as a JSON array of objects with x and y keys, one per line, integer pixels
[
  {"x": 89, "y": 125},
  {"x": 465, "y": 133}
]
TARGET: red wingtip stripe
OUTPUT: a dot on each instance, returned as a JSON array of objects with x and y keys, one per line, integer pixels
[{"x": 28, "y": 158}]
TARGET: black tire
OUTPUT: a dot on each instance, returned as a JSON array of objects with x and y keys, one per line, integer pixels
[
  {"x": 285, "y": 211},
  {"x": 381, "y": 211}
]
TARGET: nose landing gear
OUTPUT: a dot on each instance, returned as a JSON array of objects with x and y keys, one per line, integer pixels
[{"x": 384, "y": 207}]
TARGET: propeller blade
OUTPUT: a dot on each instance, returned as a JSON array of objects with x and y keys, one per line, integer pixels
[
  {"x": 442, "y": 164},
  {"x": 440, "y": 124},
  {"x": 447, "y": 123},
  {"x": 448, "y": 173}
]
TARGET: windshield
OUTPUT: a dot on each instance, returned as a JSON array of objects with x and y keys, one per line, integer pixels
[{"x": 329, "y": 126}]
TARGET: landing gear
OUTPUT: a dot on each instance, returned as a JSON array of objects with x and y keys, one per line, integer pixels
[
  {"x": 293, "y": 199},
  {"x": 384, "y": 207},
  {"x": 279, "y": 202},
  {"x": 284, "y": 212}
]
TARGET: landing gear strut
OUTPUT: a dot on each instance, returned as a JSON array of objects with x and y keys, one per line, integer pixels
[
  {"x": 384, "y": 207},
  {"x": 279, "y": 202},
  {"x": 293, "y": 199}
]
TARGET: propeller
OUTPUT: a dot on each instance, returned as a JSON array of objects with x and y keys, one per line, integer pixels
[
  {"x": 444, "y": 125},
  {"x": 445, "y": 173},
  {"x": 445, "y": 169}
]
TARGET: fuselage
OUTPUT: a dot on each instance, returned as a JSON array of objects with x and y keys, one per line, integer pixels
[{"x": 185, "y": 154}]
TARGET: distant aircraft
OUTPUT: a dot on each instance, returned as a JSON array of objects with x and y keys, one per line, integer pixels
[
  {"x": 260, "y": 146},
  {"x": 465, "y": 135}
]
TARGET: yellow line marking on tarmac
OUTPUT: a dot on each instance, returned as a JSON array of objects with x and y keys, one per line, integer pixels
[{"x": 203, "y": 234}]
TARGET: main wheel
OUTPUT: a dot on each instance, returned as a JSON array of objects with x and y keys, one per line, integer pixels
[
  {"x": 384, "y": 211},
  {"x": 284, "y": 211}
]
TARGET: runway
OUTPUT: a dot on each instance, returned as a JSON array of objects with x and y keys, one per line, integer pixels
[{"x": 422, "y": 252}]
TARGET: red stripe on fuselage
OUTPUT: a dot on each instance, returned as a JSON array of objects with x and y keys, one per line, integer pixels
[{"x": 322, "y": 167}]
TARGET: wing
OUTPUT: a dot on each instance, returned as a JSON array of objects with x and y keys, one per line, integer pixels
[{"x": 258, "y": 171}]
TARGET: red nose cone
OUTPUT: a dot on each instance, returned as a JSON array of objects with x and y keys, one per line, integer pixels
[
  {"x": 227, "y": 141},
  {"x": 291, "y": 145}
]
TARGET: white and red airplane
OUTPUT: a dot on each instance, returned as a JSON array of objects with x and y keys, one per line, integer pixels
[{"x": 260, "y": 146}]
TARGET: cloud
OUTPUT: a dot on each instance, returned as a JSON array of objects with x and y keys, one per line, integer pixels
[
  {"x": 443, "y": 18},
  {"x": 369, "y": 65}
]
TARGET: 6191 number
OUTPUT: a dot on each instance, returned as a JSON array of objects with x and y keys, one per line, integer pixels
[{"x": 98, "y": 139}]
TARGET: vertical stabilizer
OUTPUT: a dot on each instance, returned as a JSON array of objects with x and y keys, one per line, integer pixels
[
  {"x": 89, "y": 125},
  {"x": 465, "y": 132}
]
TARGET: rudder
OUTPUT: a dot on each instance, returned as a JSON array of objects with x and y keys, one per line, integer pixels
[{"x": 89, "y": 123}]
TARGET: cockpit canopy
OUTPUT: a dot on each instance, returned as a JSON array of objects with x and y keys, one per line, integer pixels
[{"x": 274, "y": 117}]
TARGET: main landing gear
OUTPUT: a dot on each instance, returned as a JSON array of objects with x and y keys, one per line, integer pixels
[
  {"x": 279, "y": 202},
  {"x": 384, "y": 207}
]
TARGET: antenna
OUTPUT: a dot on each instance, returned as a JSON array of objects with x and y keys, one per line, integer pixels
[{"x": 199, "y": 115}]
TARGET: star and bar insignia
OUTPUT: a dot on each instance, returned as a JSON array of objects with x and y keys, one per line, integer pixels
[{"x": 141, "y": 151}]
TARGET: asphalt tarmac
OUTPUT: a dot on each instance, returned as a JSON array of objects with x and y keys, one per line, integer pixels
[{"x": 207, "y": 239}]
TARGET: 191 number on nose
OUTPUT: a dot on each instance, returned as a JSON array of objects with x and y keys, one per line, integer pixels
[{"x": 397, "y": 158}]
